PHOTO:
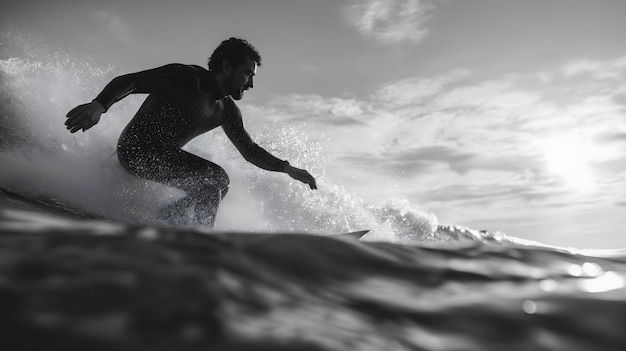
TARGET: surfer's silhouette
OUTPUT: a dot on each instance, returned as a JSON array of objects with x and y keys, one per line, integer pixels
[{"x": 183, "y": 102}]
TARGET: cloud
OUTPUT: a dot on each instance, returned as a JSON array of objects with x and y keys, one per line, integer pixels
[
  {"x": 332, "y": 109},
  {"x": 386, "y": 164},
  {"x": 614, "y": 170},
  {"x": 500, "y": 94},
  {"x": 488, "y": 194},
  {"x": 611, "y": 137},
  {"x": 390, "y": 21},
  {"x": 619, "y": 96},
  {"x": 414, "y": 90},
  {"x": 423, "y": 159},
  {"x": 611, "y": 69}
]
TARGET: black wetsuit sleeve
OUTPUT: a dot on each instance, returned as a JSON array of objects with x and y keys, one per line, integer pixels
[
  {"x": 144, "y": 82},
  {"x": 253, "y": 153}
]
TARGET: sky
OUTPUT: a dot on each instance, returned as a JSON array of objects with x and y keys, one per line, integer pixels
[{"x": 491, "y": 114}]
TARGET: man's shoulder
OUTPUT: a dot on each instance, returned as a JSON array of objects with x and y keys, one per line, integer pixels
[
  {"x": 184, "y": 69},
  {"x": 197, "y": 69},
  {"x": 180, "y": 75}
]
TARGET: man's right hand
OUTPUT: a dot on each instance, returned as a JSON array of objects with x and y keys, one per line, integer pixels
[{"x": 84, "y": 116}]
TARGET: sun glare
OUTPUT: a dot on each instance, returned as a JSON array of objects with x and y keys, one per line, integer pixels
[{"x": 569, "y": 157}]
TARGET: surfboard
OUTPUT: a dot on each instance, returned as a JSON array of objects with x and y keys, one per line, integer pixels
[
  {"x": 13, "y": 201},
  {"x": 352, "y": 235},
  {"x": 39, "y": 205}
]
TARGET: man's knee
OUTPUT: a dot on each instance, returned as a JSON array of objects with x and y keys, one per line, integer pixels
[
  {"x": 217, "y": 179},
  {"x": 225, "y": 186},
  {"x": 223, "y": 181}
]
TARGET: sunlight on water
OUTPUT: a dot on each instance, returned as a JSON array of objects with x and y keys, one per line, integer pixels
[
  {"x": 586, "y": 269},
  {"x": 529, "y": 307},
  {"x": 604, "y": 283},
  {"x": 548, "y": 285}
]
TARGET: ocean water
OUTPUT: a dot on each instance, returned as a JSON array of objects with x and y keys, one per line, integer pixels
[
  {"x": 84, "y": 263},
  {"x": 73, "y": 283}
]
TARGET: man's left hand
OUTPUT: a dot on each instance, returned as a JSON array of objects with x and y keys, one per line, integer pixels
[{"x": 301, "y": 175}]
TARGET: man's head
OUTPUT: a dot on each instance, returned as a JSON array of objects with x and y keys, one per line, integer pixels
[{"x": 234, "y": 64}]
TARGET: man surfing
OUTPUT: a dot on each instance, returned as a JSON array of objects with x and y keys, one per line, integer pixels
[{"x": 183, "y": 102}]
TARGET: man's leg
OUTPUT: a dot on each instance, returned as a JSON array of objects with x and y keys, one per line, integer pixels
[
  {"x": 176, "y": 212},
  {"x": 204, "y": 182},
  {"x": 205, "y": 190}
]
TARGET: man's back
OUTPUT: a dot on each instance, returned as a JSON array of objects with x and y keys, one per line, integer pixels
[{"x": 179, "y": 107}]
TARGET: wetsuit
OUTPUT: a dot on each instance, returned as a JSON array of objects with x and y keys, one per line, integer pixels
[{"x": 181, "y": 105}]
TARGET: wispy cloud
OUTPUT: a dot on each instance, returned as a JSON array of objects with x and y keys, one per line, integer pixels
[
  {"x": 390, "y": 21},
  {"x": 612, "y": 137},
  {"x": 411, "y": 162},
  {"x": 332, "y": 109},
  {"x": 411, "y": 91},
  {"x": 612, "y": 69},
  {"x": 502, "y": 94}
]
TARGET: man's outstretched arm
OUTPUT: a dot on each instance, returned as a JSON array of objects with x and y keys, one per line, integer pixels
[
  {"x": 253, "y": 153},
  {"x": 166, "y": 77}
]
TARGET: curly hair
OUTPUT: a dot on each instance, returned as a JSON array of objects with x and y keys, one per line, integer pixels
[{"x": 234, "y": 50}]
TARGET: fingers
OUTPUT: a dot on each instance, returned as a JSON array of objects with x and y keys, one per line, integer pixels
[
  {"x": 78, "y": 123},
  {"x": 81, "y": 117},
  {"x": 75, "y": 115},
  {"x": 312, "y": 183},
  {"x": 73, "y": 125},
  {"x": 72, "y": 111},
  {"x": 74, "y": 120},
  {"x": 76, "y": 111},
  {"x": 84, "y": 125},
  {"x": 307, "y": 178},
  {"x": 75, "y": 128}
]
